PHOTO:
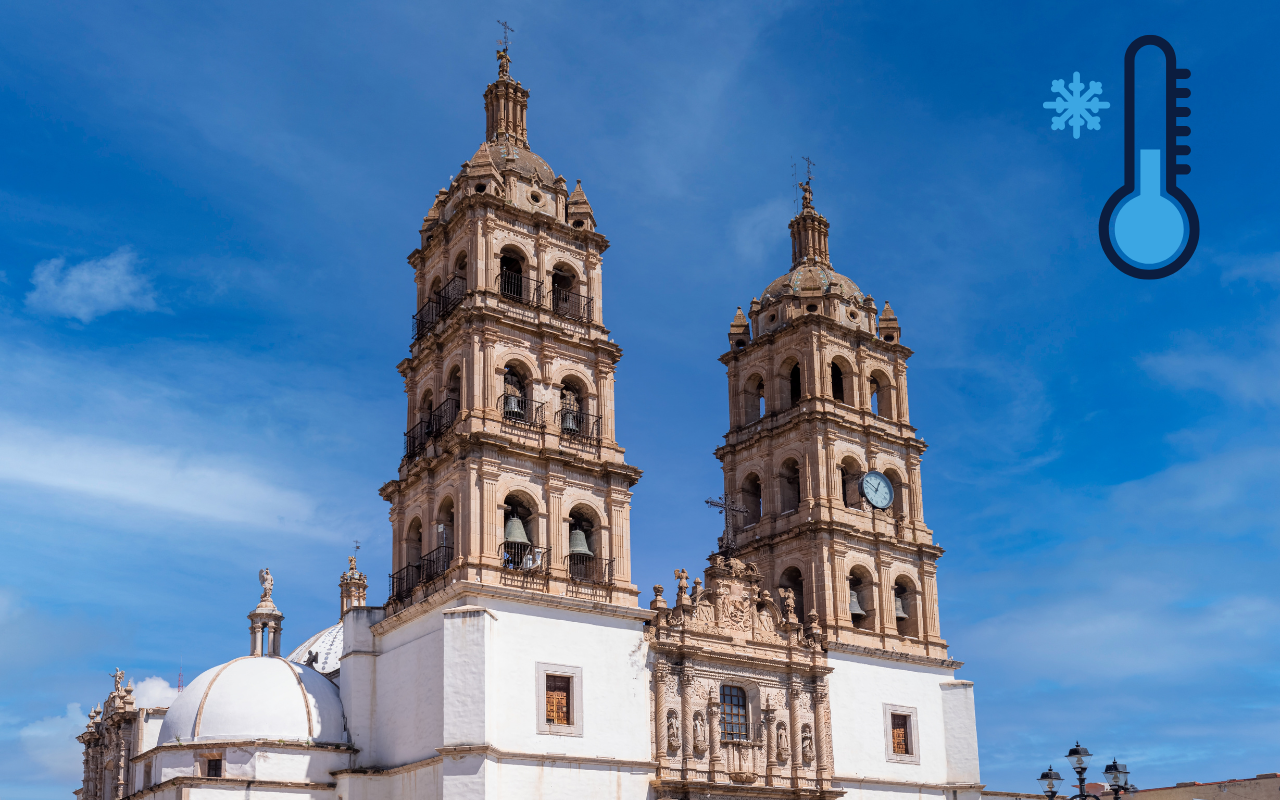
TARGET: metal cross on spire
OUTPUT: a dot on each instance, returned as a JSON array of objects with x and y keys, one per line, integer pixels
[
  {"x": 727, "y": 507},
  {"x": 808, "y": 168},
  {"x": 505, "y": 41}
]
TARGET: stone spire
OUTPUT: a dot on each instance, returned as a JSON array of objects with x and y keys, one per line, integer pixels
[
  {"x": 809, "y": 235},
  {"x": 505, "y": 104},
  {"x": 579, "y": 209},
  {"x": 353, "y": 587},
  {"x": 266, "y": 617}
]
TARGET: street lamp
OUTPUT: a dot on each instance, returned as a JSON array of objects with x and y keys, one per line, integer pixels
[{"x": 1078, "y": 757}]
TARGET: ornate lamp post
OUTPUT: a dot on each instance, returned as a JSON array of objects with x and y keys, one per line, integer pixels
[{"x": 1078, "y": 757}]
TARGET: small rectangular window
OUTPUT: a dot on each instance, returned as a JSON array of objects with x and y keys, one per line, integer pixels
[
  {"x": 214, "y": 769},
  {"x": 733, "y": 713},
  {"x": 901, "y": 734},
  {"x": 559, "y": 705}
]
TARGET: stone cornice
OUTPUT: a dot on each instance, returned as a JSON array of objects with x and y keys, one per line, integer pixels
[
  {"x": 509, "y": 593},
  {"x": 240, "y": 783},
  {"x": 961, "y": 787},
  {"x": 854, "y": 337},
  {"x": 489, "y": 751},
  {"x": 487, "y": 204},
  {"x": 254, "y": 744},
  {"x": 892, "y": 655}
]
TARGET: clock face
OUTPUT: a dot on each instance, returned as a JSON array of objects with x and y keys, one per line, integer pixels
[{"x": 877, "y": 489}]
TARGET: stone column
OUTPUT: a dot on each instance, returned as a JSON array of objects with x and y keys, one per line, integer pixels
[
  {"x": 660, "y": 672},
  {"x": 687, "y": 683},
  {"x": 713, "y": 738},
  {"x": 821, "y": 732},
  {"x": 793, "y": 729},
  {"x": 770, "y": 747},
  {"x": 255, "y": 639},
  {"x": 929, "y": 602},
  {"x": 489, "y": 531},
  {"x": 888, "y": 625},
  {"x": 913, "y": 473},
  {"x": 900, "y": 381}
]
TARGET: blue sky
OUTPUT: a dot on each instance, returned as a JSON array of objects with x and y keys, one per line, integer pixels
[{"x": 204, "y": 215}]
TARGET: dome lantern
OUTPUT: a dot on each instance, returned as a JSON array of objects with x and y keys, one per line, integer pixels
[{"x": 266, "y": 618}]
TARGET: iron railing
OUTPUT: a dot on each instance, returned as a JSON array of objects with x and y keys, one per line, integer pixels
[
  {"x": 589, "y": 569},
  {"x": 441, "y": 420},
  {"x": 567, "y": 304},
  {"x": 434, "y": 564},
  {"x": 525, "y": 557},
  {"x": 578, "y": 425},
  {"x": 521, "y": 288},
  {"x": 439, "y": 306},
  {"x": 520, "y": 410}
]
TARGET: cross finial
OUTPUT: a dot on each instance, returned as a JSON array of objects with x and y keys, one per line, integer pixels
[
  {"x": 808, "y": 169},
  {"x": 727, "y": 507},
  {"x": 505, "y": 41},
  {"x": 504, "y": 60}
]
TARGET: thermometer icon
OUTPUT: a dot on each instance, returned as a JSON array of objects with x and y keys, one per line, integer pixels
[{"x": 1149, "y": 228}]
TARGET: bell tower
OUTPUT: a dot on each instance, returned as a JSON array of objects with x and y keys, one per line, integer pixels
[
  {"x": 511, "y": 474},
  {"x": 822, "y": 455}
]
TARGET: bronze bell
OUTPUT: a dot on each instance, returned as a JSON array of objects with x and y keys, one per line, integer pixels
[
  {"x": 855, "y": 608},
  {"x": 899, "y": 611},
  {"x": 578, "y": 543},
  {"x": 514, "y": 531}
]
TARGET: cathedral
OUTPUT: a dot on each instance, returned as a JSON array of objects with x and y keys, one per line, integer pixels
[{"x": 513, "y": 656}]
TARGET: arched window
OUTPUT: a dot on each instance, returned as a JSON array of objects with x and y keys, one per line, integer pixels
[
  {"x": 413, "y": 543},
  {"x": 861, "y": 599},
  {"x": 444, "y": 523},
  {"x": 789, "y": 485},
  {"x": 734, "y": 724},
  {"x": 850, "y": 474},
  {"x": 573, "y": 410},
  {"x": 518, "y": 551},
  {"x": 511, "y": 275},
  {"x": 899, "y": 493},
  {"x": 584, "y": 547},
  {"x": 881, "y": 396},
  {"x": 515, "y": 397},
  {"x": 751, "y": 498},
  {"x": 793, "y": 580},
  {"x": 567, "y": 298},
  {"x": 754, "y": 399},
  {"x": 837, "y": 383},
  {"x": 906, "y": 610},
  {"x": 460, "y": 265},
  {"x": 425, "y": 407},
  {"x": 796, "y": 387},
  {"x": 875, "y": 396}
]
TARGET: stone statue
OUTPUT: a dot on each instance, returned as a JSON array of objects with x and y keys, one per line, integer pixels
[
  {"x": 119, "y": 676},
  {"x": 682, "y": 581},
  {"x": 699, "y": 733},
  {"x": 673, "y": 732},
  {"x": 352, "y": 561},
  {"x": 808, "y": 195},
  {"x": 788, "y": 604},
  {"x": 504, "y": 63},
  {"x": 806, "y": 743},
  {"x": 784, "y": 743},
  {"x": 264, "y": 578}
]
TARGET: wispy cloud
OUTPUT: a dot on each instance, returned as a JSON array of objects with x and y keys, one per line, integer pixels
[
  {"x": 1252, "y": 268},
  {"x": 91, "y": 288},
  {"x": 155, "y": 477},
  {"x": 51, "y": 743},
  {"x": 1242, "y": 374},
  {"x": 757, "y": 231},
  {"x": 154, "y": 692}
]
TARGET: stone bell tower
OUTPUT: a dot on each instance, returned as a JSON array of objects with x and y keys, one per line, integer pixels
[
  {"x": 511, "y": 474},
  {"x": 822, "y": 456}
]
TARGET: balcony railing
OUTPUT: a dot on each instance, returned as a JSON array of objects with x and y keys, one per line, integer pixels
[
  {"x": 434, "y": 564},
  {"x": 589, "y": 569},
  {"x": 521, "y": 288},
  {"x": 441, "y": 420},
  {"x": 567, "y": 304},
  {"x": 578, "y": 425},
  {"x": 439, "y": 306},
  {"x": 525, "y": 557},
  {"x": 520, "y": 410}
]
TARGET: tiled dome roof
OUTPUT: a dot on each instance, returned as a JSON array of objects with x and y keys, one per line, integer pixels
[{"x": 327, "y": 645}]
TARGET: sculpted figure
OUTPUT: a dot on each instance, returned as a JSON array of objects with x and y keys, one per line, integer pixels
[
  {"x": 699, "y": 733},
  {"x": 788, "y": 604},
  {"x": 784, "y": 743},
  {"x": 673, "y": 732},
  {"x": 264, "y": 578},
  {"x": 806, "y": 743}
]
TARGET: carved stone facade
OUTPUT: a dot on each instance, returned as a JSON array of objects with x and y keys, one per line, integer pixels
[
  {"x": 510, "y": 385},
  {"x": 732, "y": 633},
  {"x": 111, "y": 740},
  {"x": 818, "y": 397}
]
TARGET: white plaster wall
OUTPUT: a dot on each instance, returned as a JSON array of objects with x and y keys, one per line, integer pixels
[
  {"x": 534, "y": 780},
  {"x": 252, "y": 793},
  {"x": 418, "y": 784},
  {"x": 615, "y": 681},
  {"x": 859, "y": 689},
  {"x": 407, "y": 692},
  {"x": 266, "y": 764}
]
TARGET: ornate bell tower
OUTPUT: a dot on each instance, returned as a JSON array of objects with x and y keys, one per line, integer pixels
[
  {"x": 822, "y": 456},
  {"x": 511, "y": 474}
]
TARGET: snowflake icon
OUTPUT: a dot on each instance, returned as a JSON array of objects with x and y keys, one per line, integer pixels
[{"x": 1074, "y": 108}]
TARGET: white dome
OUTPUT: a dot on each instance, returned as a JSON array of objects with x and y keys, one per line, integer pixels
[
  {"x": 327, "y": 644},
  {"x": 256, "y": 697}
]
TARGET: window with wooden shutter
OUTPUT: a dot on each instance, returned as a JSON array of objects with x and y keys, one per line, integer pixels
[
  {"x": 901, "y": 734},
  {"x": 558, "y": 700}
]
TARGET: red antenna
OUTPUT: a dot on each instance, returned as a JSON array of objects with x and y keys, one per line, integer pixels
[{"x": 179, "y": 676}]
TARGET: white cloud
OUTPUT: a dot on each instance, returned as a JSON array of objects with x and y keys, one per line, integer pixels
[
  {"x": 91, "y": 288},
  {"x": 154, "y": 692},
  {"x": 1264, "y": 268},
  {"x": 149, "y": 476},
  {"x": 51, "y": 743},
  {"x": 758, "y": 231}
]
